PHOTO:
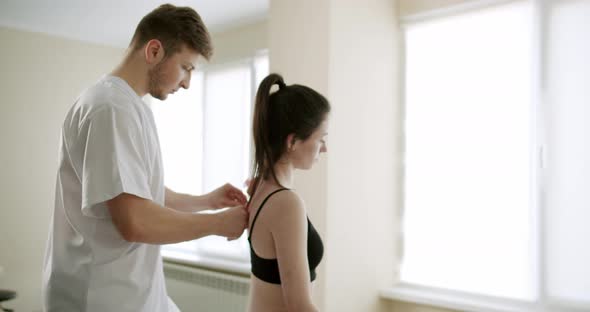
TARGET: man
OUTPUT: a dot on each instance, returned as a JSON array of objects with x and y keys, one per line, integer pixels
[{"x": 112, "y": 210}]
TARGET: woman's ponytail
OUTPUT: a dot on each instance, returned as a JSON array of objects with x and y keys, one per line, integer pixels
[{"x": 263, "y": 155}]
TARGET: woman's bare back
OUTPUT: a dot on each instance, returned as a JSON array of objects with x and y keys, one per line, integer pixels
[{"x": 264, "y": 296}]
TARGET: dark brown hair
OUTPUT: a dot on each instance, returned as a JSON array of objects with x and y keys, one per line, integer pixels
[
  {"x": 293, "y": 109},
  {"x": 174, "y": 26}
]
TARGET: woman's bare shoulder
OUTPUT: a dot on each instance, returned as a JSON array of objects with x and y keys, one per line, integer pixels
[{"x": 285, "y": 205}]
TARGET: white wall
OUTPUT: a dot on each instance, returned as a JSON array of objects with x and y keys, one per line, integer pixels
[{"x": 40, "y": 78}]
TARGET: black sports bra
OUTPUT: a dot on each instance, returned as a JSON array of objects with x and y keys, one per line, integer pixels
[{"x": 268, "y": 269}]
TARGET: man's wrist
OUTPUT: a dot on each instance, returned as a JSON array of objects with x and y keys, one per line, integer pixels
[
  {"x": 205, "y": 224},
  {"x": 197, "y": 203},
  {"x": 216, "y": 222},
  {"x": 206, "y": 201}
]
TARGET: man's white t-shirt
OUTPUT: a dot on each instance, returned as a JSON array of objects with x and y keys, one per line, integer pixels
[{"x": 109, "y": 146}]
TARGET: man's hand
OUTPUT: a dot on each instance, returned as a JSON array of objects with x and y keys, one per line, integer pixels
[
  {"x": 225, "y": 196},
  {"x": 233, "y": 222}
]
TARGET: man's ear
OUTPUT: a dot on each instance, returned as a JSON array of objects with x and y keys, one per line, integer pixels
[{"x": 154, "y": 52}]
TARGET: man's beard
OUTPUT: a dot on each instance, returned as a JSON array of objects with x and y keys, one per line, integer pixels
[{"x": 155, "y": 81}]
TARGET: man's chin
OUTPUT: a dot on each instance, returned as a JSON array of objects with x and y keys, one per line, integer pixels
[{"x": 160, "y": 97}]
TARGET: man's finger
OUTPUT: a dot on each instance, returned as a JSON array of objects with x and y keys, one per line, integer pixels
[{"x": 239, "y": 196}]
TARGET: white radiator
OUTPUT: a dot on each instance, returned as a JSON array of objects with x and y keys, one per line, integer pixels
[{"x": 201, "y": 290}]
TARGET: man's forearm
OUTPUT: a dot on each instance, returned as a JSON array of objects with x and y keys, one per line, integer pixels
[
  {"x": 142, "y": 220},
  {"x": 171, "y": 226},
  {"x": 185, "y": 202}
]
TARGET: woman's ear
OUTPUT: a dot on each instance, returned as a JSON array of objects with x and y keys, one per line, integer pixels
[{"x": 290, "y": 142}]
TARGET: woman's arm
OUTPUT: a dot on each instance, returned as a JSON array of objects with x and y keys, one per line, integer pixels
[{"x": 290, "y": 237}]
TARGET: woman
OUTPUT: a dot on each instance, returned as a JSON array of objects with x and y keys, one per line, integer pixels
[{"x": 289, "y": 127}]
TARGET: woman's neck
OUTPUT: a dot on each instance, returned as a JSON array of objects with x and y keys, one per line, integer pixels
[{"x": 284, "y": 174}]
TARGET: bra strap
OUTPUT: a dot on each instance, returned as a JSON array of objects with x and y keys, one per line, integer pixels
[{"x": 260, "y": 208}]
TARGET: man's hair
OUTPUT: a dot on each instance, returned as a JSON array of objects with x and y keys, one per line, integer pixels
[{"x": 174, "y": 27}]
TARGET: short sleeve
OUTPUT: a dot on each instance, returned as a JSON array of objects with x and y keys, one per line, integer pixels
[{"x": 114, "y": 159}]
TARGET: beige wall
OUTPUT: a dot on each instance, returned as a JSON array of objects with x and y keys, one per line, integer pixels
[
  {"x": 363, "y": 176},
  {"x": 409, "y": 7},
  {"x": 351, "y": 194},
  {"x": 239, "y": 43},
  {"x": 300, "y": 51},
  {"x": 40, "y": 77}
]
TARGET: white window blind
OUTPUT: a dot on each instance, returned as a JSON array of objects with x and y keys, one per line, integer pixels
[
  {"x": 205, "y": 139},
  {"x": 468, "y": 142},
  {"x": 178, "y": 120}
]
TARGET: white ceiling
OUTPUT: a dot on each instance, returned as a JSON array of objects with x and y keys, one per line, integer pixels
[{"x": 112, "y": 22}]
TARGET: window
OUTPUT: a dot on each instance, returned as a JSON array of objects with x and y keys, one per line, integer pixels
[
  {"x": 205, "y": 139},
  {"x": 495, "y": 186},
  {"x": 468, "y": 153}
]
